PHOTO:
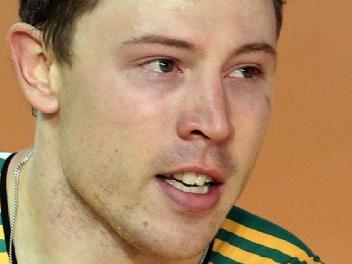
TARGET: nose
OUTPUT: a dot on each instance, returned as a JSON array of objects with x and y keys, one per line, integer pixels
[{"x": 205, "y": 112}]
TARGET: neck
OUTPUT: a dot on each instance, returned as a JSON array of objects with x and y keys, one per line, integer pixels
[{"x": 55, "y": 226}]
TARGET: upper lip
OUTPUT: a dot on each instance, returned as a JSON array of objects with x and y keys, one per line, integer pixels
[{"x": 215, "y": 174}]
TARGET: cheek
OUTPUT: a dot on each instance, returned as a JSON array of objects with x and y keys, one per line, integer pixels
[
  {"x": 123, "y": 123},
  {"x": 251, "y": 103},
  {"x": 250, "y": 121},
  {"x": 252, "y": 113},
  {"x": 108, "y": 99}
]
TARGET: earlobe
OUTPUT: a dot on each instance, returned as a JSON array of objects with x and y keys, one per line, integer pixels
[{"x": 33, "y": 67}]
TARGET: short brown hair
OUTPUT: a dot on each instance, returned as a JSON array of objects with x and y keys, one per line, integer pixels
[{"x": 56, "y": 19}]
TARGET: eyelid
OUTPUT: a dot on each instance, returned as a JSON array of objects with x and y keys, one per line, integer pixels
[{"x": 146, "y": 60}]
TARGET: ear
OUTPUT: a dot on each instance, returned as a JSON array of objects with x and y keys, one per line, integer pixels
[{"x": 33, "y": 67}]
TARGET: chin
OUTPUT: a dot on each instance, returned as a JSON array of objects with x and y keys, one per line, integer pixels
[
  {"x": 172, "y": 242},
  {"x": 183, "y": 249}
]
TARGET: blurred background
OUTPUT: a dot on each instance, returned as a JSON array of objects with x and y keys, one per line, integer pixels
[{"x": 303, "y": 179}]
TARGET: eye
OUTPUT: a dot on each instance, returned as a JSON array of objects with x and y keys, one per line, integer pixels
[
  {"x": 247, "y": 72},
  {"x": 161, "y": 65}
]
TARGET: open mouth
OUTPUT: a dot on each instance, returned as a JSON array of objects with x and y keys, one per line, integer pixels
[
  {"x": 195, "y": 192},
  {"x": 189, "y": 182}
]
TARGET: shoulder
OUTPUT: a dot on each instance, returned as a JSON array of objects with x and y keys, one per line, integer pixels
[{"x": 245, "y": 236}]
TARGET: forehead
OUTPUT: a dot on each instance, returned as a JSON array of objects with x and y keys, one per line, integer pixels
[{"x": 205, "y": 22}]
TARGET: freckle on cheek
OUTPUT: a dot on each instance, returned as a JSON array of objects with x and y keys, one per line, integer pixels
[{"x": 145, "y": 224}]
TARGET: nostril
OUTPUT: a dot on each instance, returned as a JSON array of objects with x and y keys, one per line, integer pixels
[{"x": 199, "y": 133}]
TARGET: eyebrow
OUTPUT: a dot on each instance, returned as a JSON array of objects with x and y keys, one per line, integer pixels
[
  {"x": 181, "y": 44},
  {"x": 255, "y": 47},
  {"x": 162, "y": 40}
]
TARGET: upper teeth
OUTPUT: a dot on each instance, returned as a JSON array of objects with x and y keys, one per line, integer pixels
[{"x": 191, "y": 178}]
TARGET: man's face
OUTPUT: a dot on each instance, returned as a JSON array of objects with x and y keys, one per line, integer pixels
[{"x": 160, "y": 90}]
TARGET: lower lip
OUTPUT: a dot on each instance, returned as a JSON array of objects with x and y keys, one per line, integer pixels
[{"x": 191, "y": 201}]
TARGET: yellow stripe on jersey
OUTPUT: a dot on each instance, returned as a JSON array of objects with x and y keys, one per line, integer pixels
[
  {"x": 239, "y": 255},
  {"x": 4, "y": 258},
  {"x": 266, "y": 240},
  {"x": 2, "y": 236}
]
